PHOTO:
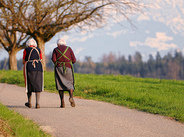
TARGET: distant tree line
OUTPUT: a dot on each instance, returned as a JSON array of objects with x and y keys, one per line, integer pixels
[
  {"x": 170, "y": 66},
  {"x": 166, "y": 67}
]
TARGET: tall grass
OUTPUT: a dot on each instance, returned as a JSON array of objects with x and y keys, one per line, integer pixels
[{"x": 165, "y": 97}]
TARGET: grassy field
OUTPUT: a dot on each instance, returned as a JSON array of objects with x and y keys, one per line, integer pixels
[
  {"x": 16, "y": 125},
  {"x": 164, "y": 97}
]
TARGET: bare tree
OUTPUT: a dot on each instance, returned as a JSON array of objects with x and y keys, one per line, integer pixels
[
  {"x": 109, "y": 58},
  {"x": 12, "y": 41},
  {"x": 173, "y": 70},
  {"x": 42, "y": 19}
]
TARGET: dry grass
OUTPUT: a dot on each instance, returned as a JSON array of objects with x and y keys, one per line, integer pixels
[{"x": 5, "y": 130}]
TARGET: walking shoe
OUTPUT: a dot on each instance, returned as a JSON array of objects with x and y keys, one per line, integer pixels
[
  {"x": 37, "y": 106},
  {"x": 62, "y": 106},
  {"x": 28, "y": 105},
  {"x": 72, "y": 102}
]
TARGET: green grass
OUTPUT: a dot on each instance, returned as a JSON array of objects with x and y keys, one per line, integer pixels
[
  {"x": 164, "y": 97},
  {"x": 19, "y": 126}
]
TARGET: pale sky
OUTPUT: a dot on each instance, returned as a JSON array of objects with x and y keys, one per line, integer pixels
[{"x": 160, "y": 28}]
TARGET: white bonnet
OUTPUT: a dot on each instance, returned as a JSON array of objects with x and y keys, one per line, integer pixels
[
  {"x": 61, "y": 41},
  {"x": 31, "y": 42}
]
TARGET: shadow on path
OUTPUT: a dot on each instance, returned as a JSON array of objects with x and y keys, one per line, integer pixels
[{"x": 13, "y": 106}]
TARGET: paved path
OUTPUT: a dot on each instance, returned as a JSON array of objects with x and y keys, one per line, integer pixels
[{"x": 89, "y": 118}]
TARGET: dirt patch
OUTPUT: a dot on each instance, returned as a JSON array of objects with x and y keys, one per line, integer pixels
[
  {"x": 47, "y": 129},
  {"x": 4, "y": 129}
]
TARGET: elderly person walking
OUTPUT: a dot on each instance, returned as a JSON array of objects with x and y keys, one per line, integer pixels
[
  {"x": 33, "y": 71},
  {"x": 64, "y": 58}
]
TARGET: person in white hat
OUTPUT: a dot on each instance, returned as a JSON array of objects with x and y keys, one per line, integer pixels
[
  {"x": 33, "y": 71},
  {"x": 64, "y": 58}
]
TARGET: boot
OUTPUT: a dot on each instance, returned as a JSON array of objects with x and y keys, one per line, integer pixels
[
  {"x": 71, "y": 100},
  {"x": 62, "y": 104},
  {"x": 37, "y": 106},
  {"x": 28, "y": 104},
  {"x": 37, "y": 99},
  {"x": 61, "y": 94}
]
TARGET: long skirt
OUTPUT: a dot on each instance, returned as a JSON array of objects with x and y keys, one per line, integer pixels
[
  {"x": 64, "y": 80},
  {"x": 33, "y": 81}
]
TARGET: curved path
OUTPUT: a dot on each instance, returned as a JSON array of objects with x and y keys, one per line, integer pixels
[{"x": 89, "y": 118}]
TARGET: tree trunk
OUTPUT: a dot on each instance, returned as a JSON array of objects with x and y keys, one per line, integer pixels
[
  {"x": 12, "y": 60},
  {"x": 41, "y": 45}
]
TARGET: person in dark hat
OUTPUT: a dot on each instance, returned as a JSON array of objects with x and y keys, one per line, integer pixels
[
  {"x": 33, "y": 71},
  {"x": 64, "y": 58}
]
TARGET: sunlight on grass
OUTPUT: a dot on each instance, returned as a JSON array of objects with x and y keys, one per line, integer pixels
[
  {"x": 156, "y": 96},
  {"x": 20, "y": 127}
]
